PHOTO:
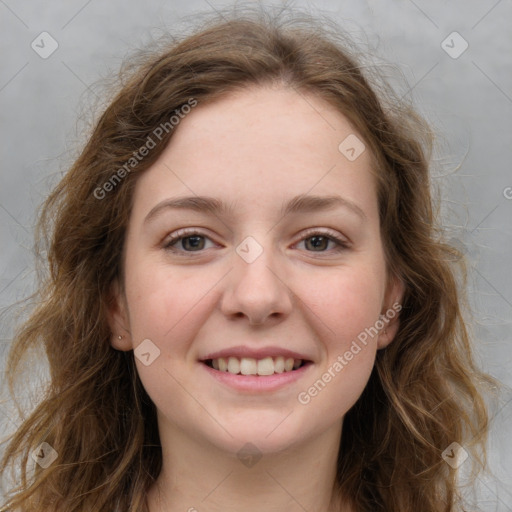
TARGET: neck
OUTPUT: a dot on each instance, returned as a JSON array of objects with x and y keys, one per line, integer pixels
[{"x": 200, "y": 477}]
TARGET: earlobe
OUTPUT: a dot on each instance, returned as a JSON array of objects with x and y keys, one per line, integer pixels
[
  {"x": 118, "y": 320},
  {"x": 390, "y": 316},
  {"x": 121, "y": 342}
]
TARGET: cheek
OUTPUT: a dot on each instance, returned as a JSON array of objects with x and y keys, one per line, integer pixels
[
  {"x": 348, "y": 301},
  {"x": 165, "y": 307},
  {"x": 349, "y": 305},
  {"x": 161, "y": 300}
]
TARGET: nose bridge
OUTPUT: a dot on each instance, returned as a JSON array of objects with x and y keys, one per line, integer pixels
[{"x": 256, "y": 288}]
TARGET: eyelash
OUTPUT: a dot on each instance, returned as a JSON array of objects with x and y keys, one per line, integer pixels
[{"x": 186, "y": 233}]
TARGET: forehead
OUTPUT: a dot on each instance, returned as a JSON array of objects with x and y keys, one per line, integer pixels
[{"x": 259, "y": 145}]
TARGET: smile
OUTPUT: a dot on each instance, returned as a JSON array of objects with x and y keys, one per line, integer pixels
[{"x": 250, "y": 366}]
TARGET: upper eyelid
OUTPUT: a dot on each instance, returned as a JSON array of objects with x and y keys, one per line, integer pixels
[
  {"x": 328, "y": 232},
  {"x": 186, "y": 232}
]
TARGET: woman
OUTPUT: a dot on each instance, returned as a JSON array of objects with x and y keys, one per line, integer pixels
[{"x": 249, "y": 305}]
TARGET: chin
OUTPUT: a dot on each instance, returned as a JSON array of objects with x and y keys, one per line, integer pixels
[{"x": 265, "y": 433}]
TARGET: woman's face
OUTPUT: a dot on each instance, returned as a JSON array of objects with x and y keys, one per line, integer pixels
[{"x": 264, "y": 190}]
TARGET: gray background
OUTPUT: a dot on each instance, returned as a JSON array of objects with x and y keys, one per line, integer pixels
[{"x": 467, "y": 99}]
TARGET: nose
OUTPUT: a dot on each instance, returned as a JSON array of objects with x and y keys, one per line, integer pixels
[{"x": 257, "y": 290}]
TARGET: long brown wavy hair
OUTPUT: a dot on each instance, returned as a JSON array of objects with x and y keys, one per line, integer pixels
[{"x": 425, "y": 389}]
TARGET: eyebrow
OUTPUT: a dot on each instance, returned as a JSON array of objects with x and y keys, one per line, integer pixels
[{"x": 299, "y": 204}]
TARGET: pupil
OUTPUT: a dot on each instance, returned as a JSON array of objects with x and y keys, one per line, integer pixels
[
  {"x": 196, "y": 244},
  {"x": 315, "y": 239}
]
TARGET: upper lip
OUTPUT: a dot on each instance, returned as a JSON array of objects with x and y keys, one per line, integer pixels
[{"x": 255, "y": 353}]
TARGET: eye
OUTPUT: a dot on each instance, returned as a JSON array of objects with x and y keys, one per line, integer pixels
[
  {"x": 191, "y": 241},
  {"x": 318, "y": 241},
  {"x": 187, "y": 241}
]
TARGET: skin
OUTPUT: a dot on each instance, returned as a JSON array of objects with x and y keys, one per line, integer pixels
[{"x": 254, "y": 149}]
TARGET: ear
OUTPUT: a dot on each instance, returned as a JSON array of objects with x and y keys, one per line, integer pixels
[
  {"x": 390, "y": 315},
  {"x": 118, "y": 319}
]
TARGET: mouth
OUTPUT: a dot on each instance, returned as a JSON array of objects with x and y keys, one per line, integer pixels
[{"x": 249, "y": 366}]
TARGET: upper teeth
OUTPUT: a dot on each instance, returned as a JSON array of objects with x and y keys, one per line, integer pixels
[{"x": 250, "y": 366}]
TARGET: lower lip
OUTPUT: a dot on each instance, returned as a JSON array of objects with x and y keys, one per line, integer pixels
[{"x": 255, "y": 382}]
